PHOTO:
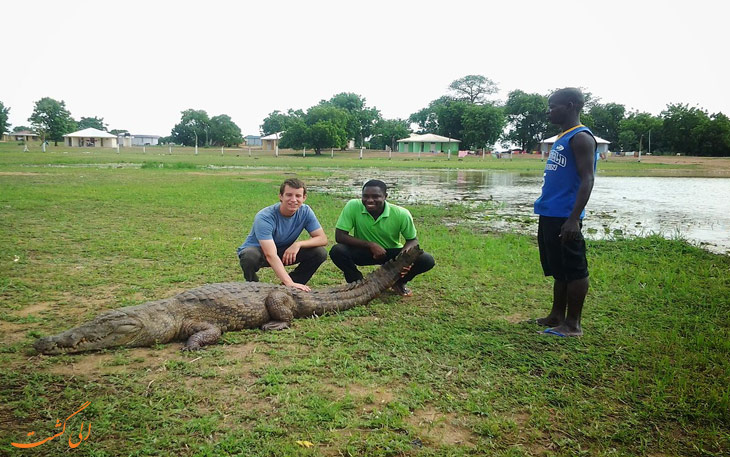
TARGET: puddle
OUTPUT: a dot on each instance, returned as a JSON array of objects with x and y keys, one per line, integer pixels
[{"x": 695, "y": 209}]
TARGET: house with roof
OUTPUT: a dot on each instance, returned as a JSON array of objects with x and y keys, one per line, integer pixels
[
  {"x": 428, "y": 143},
  {"x": 546, "y": 144},
  {"x": 252, "y": 140},
  {"x": 127, "y": 140},
  {"x": 23, "y": 135},
  {"x": 271, "y": 142},
  {"x": 89, "y": 138}
]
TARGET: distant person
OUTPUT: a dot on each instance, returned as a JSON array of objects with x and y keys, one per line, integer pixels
[
  {"x": 569, "y": 173},
  {"x": 273, "y": 243},
  {"x": 377, "y": 228}
]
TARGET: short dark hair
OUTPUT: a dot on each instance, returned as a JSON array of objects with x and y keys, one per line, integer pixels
[
  {"x": 571, "y": 95},
  {"x": 294, "y": 183},
  {"x": 376, "y": 183}
]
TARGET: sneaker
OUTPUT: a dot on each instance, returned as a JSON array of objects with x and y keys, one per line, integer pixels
[{"x": 401, "y": 289}]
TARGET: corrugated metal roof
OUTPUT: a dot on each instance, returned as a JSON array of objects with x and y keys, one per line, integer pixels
[
  {"x": 428, "y": 138},
  {"x": 273, "y": 136},
  {"x": 90, "y": 133}
]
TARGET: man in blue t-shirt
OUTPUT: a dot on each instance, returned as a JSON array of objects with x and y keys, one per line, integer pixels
[
  {"x": 569, "y": 173},
  {"x": 273, "y": 243}
]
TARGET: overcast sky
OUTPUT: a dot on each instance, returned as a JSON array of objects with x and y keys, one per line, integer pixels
[{"x": 138, "y": 64}]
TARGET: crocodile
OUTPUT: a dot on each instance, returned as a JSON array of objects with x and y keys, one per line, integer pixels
[{"x": 200, "y": 316}]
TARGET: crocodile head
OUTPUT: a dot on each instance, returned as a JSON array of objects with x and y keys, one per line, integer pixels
[{"x": 113, "y": 328}]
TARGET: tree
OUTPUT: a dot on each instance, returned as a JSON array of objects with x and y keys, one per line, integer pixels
[
  {"x": 427, "y": 119},
  {"x": 483, "y": 125},
  {"x": 361, "y": 119},
  {"x": 450, "y": 118},
  {"x": 193, "y": 128},
  {"x": 277, "y": 121},
  {"x": 679, "y": 128},
  {"x": 118, "y": 131},
  {"x": 4, "y": 113},
  {"x": 714, "y": 136},
  {"x": 527, "y": 119},
  {"x": 224, "y": 132},
  {"x": 22, "y": 128},
  {"x": 387, "y": 131},
  {"x": 51, "y": 119},
  {"x": 92, "y": 122},
  {"x": 473, "y": 88},
  {"x": 634, "y": 126},
  {"x": 323, "y": 126},
  {"x": 606, "y": 120}
]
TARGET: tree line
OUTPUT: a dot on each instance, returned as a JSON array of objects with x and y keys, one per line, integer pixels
[
  {"x": 51, "y": 120},
  {"x": 467, "y": 112}
]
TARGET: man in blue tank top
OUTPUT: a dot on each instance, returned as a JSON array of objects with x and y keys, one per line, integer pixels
[
  {"x": 273, "y": 243},
  {"x": 569, "y": 173}
]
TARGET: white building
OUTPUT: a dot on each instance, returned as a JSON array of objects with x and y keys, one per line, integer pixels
[
  {"x": 546, "y": 144},
  {"x": 90, "y": 138}
]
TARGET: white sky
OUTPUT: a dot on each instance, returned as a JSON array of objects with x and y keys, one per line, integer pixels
[{"x": 138, "y": 64}]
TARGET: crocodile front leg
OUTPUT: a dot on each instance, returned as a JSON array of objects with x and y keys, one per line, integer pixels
[
  {"x": 203, "y": 335},
  {"x": 279, "y": 304}
]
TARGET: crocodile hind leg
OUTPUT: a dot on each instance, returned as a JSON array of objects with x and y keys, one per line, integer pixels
[
  {"x": 279, "y": 304},
  {"x": 204, "y": 334}
]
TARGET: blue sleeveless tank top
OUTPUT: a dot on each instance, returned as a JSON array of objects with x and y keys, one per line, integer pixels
[{"x": 561, "y": 180}]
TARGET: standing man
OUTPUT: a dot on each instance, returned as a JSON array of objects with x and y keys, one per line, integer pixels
[
  {"x": 377, "y": 229},
  {"x": 273, "y": 243},
  {"x": 569, "y": 173}
]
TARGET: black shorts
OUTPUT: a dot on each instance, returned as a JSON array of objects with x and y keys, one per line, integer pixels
[{"x": 563, "y": 261}]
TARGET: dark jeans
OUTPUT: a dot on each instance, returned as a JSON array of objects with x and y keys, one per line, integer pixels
[
  {"x": 347, "y": 258},
  {"x": 252, "y": 259}
]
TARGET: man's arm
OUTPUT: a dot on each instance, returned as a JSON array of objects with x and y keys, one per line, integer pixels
[
  {"x": 344, "y": 237},
  {"x": 410, "y": 243},
  {"x": 584, "y": 151},
  {"x": 269, "y": 249},
  {"x": 318, "y": 238}
]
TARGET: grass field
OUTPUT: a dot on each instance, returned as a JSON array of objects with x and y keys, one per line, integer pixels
[{"x": 453, "y": 370}]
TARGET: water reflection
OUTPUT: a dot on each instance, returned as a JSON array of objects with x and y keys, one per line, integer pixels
[{"x": 694, "y": 208}]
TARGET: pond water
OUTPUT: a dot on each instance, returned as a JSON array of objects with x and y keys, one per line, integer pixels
[{"x": 695, "y": 209}]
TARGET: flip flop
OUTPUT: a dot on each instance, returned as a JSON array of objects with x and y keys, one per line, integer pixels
[{"x": 551, "y": 331}]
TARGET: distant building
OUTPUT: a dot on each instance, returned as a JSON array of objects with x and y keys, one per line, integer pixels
[
  {"x": 252, "y": 140},
  {"x": 546, "y": 144},
  {"x": 271, "y": 142},
  {"x": 89, "y": 138},
  {"x": 428, "y": 143},
  {"x": 127, "y": 140},
  {"x": 23, "y": 135},
  {"x": 145, "y": 140}
]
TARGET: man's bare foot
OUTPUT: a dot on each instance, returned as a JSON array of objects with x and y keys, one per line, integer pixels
[
  {"x": 548, "y": 321},
  {"x": 564, "y": 330}
]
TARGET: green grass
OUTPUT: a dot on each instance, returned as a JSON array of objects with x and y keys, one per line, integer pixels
[
  {"x": 450, "y": 371},
  {"x": 184, "y": 157}
]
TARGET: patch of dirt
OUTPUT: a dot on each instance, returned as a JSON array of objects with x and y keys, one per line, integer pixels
[
  {"x": 38, "y": 308},
  {"x": 516, "y": 318},
  {"x": 440, "y": 428}
]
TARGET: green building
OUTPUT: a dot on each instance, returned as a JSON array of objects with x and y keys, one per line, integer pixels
[{"x": 428, "y": 143}]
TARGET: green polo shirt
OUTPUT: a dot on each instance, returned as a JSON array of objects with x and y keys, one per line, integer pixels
[{"x": 386, "y": 230}]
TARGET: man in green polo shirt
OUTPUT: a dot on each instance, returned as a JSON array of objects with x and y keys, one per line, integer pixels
[{"x": 377, "y": 227}]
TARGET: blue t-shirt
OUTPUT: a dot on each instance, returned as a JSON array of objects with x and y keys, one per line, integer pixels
[
  {"x": 560, "y": 188},
  {"x": 270, "y": 224}
]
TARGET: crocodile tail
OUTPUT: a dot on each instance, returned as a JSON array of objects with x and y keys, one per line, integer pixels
[{"x": 361, "y": 292}]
